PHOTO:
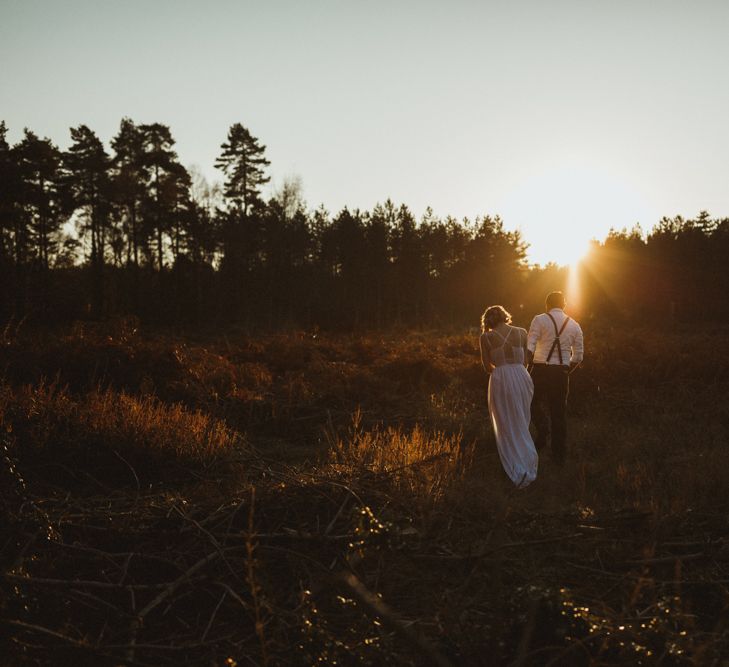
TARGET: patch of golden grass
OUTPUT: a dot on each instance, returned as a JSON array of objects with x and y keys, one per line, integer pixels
[
  {"x": 423, "y": 464},
  {"x": 92, "y": 432}
]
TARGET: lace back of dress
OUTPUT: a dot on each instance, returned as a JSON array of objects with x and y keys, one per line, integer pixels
[{"x": 510, "y": 351}]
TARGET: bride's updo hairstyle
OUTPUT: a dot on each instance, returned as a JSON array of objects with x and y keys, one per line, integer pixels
[{"x": 492, "y": 316}]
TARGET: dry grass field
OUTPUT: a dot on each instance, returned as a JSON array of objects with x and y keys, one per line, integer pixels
[{"x": 310, "y": 499}]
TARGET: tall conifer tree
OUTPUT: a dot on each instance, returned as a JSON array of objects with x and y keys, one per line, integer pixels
[
  {"x": 87, "y": 165},
  {"x": 160, "y": 161},
  {"x": 39, "y": 162},
  {"x": 8, "y": 193},
  {"x": 243, "y": 163},
  {"x": 129, "y": 183},
  {"x": 8, "y": 215}
]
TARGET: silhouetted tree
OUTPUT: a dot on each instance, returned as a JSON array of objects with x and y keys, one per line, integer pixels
[
  {"x": 620, "y": 263},
  {"x": 166, "y": 180},
  {"x": 38, "y": 227},
  {"x": 377, "y": 260},
  {"x": 409, "y": 265},
  {"x": 89, "y": 185},
  {"x": 243, "y": 163},
  {"x": 178, "y": 209},
  {"x": 492, "y": 267},
  {"x": 203, "y": 238},
  {"x": 129, "y": 183},
  {"x": 694, "y": 245},
  {"x": 347, "y": 235},
  {"x": 286, "y": 251},
  {"x": 9, "y": 190}
]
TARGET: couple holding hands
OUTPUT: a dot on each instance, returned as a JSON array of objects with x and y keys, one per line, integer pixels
[{"x": 551, "y": 350}]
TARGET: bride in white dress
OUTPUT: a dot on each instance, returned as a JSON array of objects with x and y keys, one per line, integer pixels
[{"x": 503, "y": 354}]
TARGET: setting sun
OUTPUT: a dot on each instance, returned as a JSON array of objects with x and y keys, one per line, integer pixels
[
  {"x": 560, "y": 210},
  {"x": 572, "y": 252}
]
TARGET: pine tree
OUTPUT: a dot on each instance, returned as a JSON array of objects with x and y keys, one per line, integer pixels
[
  {"x": 129, "y": 184},
  {"x": 409, "y": 267},
  {"x": 8, "y": 191},
  {"x": 177, "y": 207},
  {"x": 204, "y": 234},
  {"x": 243, "y": 163},
  {"x": 160, "y": 162},
  {"x": 377, "y": 261},
  {"x": 39, "y": 163},
  {"x": 87, "y": 164},
  {"x": 8, "y": 213}
]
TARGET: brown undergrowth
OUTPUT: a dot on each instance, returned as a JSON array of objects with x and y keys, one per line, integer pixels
[{"x": 302, "y": 499}]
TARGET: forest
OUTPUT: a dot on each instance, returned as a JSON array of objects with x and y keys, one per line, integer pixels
[{"x": 91, "y": 234}]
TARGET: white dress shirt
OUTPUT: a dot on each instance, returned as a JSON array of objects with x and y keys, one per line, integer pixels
[{"x": 541, "y": 336}]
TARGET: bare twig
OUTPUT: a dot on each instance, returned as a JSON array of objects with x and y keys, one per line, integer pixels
[
  {"x": 134, "y": 472},
  {"x": 378, "y": 608},
  {"x": 337, "y": 515},
  {"x": 250, "y": 575},
  {"x": 212, "y": 617},
  {"x": 81, "y": 583},
  {"x": 667, "y": 559},
  {"x": 526, "y": 637},
  {"x": 51, "y": 633},
  {"x": 166, "y": 593}
]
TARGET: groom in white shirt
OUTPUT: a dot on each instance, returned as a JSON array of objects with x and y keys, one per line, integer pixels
[{"x": 554, "y": 350}]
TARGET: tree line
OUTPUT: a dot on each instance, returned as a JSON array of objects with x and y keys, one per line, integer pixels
[
  {"x": 91, "y": 233},
  {"x": 679, "y": 271}
]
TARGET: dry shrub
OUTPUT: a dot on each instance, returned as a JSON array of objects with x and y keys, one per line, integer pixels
[
  {"x": 104, "y": 431},
  {"x": 84, "y": 362},
  {"x": 293, "y": 352},
  {"x": 417, "y": 461},
  {"x": 148, "y": 423},
  {"x": 416, "y": 362},
  {"x": 210, "y": 378},
  {"x": 213, "y": 373},
  {"x": 623, "y": 358}
]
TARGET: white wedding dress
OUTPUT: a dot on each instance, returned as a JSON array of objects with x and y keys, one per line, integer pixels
[{"x": 510, "y": 398}]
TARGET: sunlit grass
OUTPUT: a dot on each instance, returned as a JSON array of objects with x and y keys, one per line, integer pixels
[
  {"x": 415, "y": 460},
  {"x": 104, "y": 432}
]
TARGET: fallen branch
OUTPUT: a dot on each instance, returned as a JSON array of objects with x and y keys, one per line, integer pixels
[
  {"x": 78, "y": 643},
  {"x": 378, "y": 608}
]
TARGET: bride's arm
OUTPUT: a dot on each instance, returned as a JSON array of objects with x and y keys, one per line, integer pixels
[
  {"x": 523, "y": 340},
  {"x": 485, "y": 359}
]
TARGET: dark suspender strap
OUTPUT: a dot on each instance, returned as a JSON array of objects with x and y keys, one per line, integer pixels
[{"x": 557, "y": 343}]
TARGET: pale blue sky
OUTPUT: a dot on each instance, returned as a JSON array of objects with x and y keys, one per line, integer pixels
[{"x": 565, "y": 116}]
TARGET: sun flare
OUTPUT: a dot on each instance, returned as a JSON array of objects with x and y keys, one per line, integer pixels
[
  {"x": 573, "y": 253},
  {"x": 560, "y": 210}
]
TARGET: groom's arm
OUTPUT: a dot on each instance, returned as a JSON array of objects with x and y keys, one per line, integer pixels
[{"x": 578, "y": 349}]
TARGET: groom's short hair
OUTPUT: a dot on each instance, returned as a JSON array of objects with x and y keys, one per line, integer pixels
[{"x": 554, "y": 300}]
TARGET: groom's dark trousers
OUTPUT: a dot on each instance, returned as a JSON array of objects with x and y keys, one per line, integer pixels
[{"x": 549, "y": 407}]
